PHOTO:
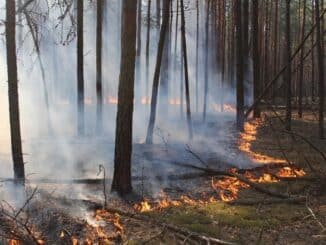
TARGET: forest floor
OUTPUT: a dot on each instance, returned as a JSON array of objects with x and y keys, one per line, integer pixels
[{"x": 200, "y": 206}]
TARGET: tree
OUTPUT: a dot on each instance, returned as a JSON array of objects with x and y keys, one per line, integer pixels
[
  {"x": 99, "y": 92},
  {"x": 255, "y": 54},
  {"x": 185, "y": 61},
  {"x": 288, "y": 60},
  {"x": 123, "y": 142},
  {"x": 240, "y": 66},
  {"x": 206, "y": 59},
  {"x": 147, "y": 44},
  {"x": 301, "y": 59},
  {"x": 14, "y": 118},
  {"x": 80, "y": 67},
  {"x": 152, "y": 117},
  {"x": 320, "y": 54}
]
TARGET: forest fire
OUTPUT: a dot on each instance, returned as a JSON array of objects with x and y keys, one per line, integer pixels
[
  {"x": 248, "y": 137},
  {"x": 225, "y": 108},
  {"x": 229, "y": 187},
  {"x": 166, "y": 202}
]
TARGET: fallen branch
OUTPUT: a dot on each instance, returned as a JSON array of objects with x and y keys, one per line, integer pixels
[
  {"x": 194, "y": 235},
  {"x": 243, "y": 179}
]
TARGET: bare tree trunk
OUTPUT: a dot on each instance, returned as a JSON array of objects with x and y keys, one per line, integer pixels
[
  {"x": 320, "y": 52},
  {"x": 185, "y": 59},
  {"x": 301, "y": 60},
  {"x": 165, "y": 24},
  {"x": 80, "y": 68},
  {"x": 123, "y": 143},
  {"x": 147, "y": 44},
  {"x": 99, "y": 92},
  {"x": 255, "y": 54},
  {"x": 288, "y": 70},
  {"x": 206, "y": 60},
  {"x": 240, "y": 66},
  {"x": 16, "y": 143},
  {"x": 197, "y": 55},
  {"x": 313, "y": 55},
  {"x": 276, "y": 44}
]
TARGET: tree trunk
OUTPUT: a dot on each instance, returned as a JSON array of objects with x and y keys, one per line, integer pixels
[
  {"x": 185, "y": 61},
  {"x": 301, "y": 60},
  {"x": 123, "y": 141},
  {"x": 16, "y": 143},
  {"x": 320, "y": 52},
  {"x": 206, "y": 60},
  {"x": 80, "y": 67},
  {"x": 99, "y": 92},
  {"x": 165, "y": 24},
  {"x": 288, "y": 86},
  {"x": 240, "y": 66},
  {"x": 255, "y": 54},
  {"x": 147, "y": 44},
  {"x": 197, "y": 55}
]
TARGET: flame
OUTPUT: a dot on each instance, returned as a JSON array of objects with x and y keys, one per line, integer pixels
[
  {"x": 115, "y": 219},
  {"x": 166, "y": 202},
  {"x": 145, "y": 100},
  {"x": 175, "y": 101},
  {"x": 112, "y": 100},
  {"x": 14, "y": 242},
  {"x": 228, "y": 187},
  {"x": 226, "y": 108},
  {"x": 88, "y": 101},
  {"x": 248, "y": 137}
]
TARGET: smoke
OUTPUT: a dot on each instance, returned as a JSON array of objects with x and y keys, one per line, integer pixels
[{"x": 64, "y": 155}]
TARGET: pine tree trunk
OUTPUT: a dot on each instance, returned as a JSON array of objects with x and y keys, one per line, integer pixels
[
  {"x": 99, "y": 92},
  {"x": 80, "y": 67},
  {"x": 320, "y": 52},
  {"x": 301, "y": 59},
  {"x": 123, "y": 143},
  {"x": 240, "y": 66},
  {"x": 165, "y": 24},
  {"x": 197, "y": 56},
  {"x": 16, "y": 143},
  {"x": 185, "y": 61},
  {"x": 288, "y": 83},
  {"x": 255, "y": 55},
  {"x": 148, "y": 34},
  {"x": 206, "y": 60}
]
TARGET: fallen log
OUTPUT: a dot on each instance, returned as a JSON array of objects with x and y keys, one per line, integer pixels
[
  {"x": 98, "y": 181},
  {"x": 243, "y": 179}
]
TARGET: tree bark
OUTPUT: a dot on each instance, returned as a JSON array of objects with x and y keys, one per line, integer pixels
[
  {"x": 80, "y": 68},
  {"x": 206, "y": 60},
  {"x": 99, "y": 92},
  {"x": 123, "y": 142},
  {"x": 320, "y": 52},
  {"x": 288, "y": 83},
  {"x": 165, "y": 24},
  {"x": 301, "y": 60},
  {"x": 255, "y": 55},
  {"x": 185, "y": 59},
  {"x": 14, "y": 118},
  {"x": 240, "y": 66}
]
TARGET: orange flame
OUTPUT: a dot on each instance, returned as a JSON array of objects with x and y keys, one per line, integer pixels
[{"x": 246, "y": 140}]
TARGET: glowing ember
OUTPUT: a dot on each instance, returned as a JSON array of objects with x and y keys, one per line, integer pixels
[{"x": 246, "y": 140}]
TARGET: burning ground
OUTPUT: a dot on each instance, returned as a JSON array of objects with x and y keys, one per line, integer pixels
[{"x": 187, "y": 194}]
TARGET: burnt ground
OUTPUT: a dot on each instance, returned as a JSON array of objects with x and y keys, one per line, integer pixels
[{"x": 257, "y": 223}]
